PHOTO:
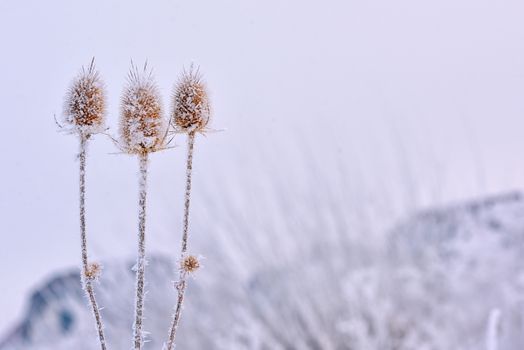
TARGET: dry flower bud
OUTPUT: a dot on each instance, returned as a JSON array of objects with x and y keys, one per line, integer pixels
[
  {"x": 93, "y": 271},
  {"x": 190, "y": 264},
  {"x": 191, "y": 108},
  {"x": 142, "y": 126},
  {"x": 85, "y": 103}
]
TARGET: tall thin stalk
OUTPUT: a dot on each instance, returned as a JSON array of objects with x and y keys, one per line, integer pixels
[
  {"x": 87, "y": 274},
  {"x": 85, "y": 116},
  {"x": 187, "y": 196},
  {"x": 141, "y": 257},
  {"x": 182, "y": 282},
  {"x": 191, "y": 113},
  {"x": 142, "y": 130}
]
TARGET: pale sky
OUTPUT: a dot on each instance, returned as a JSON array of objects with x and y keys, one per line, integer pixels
[{"x": 401, "y": 94}]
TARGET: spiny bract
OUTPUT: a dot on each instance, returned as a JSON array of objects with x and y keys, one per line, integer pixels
[
  {"x": 142, "y": 126},
  {"x": 85, "y": 104},
  {"x": 191, "y": 108},
  {"x": 189, "y": 264},
  {"x": 93, "y": 271}
]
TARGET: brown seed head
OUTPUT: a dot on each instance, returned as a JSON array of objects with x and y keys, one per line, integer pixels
[
  {"x": 142, "y": 126},
  {"x": 85, "y": 103},
  {"x": 190, "y": 264},
  {"x": 93, "y": 271},
  {"x": 191, "y": 108}
]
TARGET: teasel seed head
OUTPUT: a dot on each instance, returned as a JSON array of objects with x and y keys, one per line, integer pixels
[
  {"x": 191, "y": 107},
  {"x": 142, "y": 125},
  {"x": 189, "y": 264},
  {"x": 85, "y": 104},
  {"x": 93, "y": 271}
]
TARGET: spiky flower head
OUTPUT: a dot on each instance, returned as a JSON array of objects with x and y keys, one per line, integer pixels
[
  {"x": 191, "y": 107},
  {"x": 85, "y": 104},
  {"x": 93, "y": 271},
  {"x": 142, "y": 125},
  {"x": 189, "y": 264}
]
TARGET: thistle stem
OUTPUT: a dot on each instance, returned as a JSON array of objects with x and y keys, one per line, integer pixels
[
  {"x": 141, "y": 258},
  {"x": 182, "y": 282},
  {"x": 87, "y": 283}
]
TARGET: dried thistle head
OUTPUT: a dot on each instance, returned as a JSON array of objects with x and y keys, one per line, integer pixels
[
  {"x": 191, "y": 107},
  {"x": 189, "y": 264},
  {"x": 93, "y": 271},
  {"x": 85, "y": 104},
  {"x": 142, "y": 125}
]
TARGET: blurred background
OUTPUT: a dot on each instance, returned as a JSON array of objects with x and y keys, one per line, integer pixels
[{"x": 365, "y": 193}]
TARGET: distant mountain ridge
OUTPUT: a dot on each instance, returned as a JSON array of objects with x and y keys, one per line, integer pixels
[{"x": 501, "y": 214}]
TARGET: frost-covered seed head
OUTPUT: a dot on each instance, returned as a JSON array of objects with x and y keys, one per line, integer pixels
[
  {"x": 85, "y": 104},
  {"x": 93, "y": 271},
  {"x": 191, "y": 108},
  {"x": 142, "y": 126},
  {"x": 190, "y": 264}
]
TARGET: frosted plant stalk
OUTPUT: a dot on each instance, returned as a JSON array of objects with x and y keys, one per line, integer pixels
[
  {"x": 187, "y": 196},
  {"x": 84, "y": 116},
  {"x": 141, "y": 257},
  {"x": 142, "y": 131},
  {"x": 191, "y": 114},
  {"x": 182, "y": 282},
  {"x": 88, "y": 274}
]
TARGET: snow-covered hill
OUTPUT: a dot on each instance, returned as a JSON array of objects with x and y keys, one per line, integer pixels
[
  {"x": 57, "y": 316},
  {"x": 459, "y": 270},
  {"x": 451, "y": 278}
]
